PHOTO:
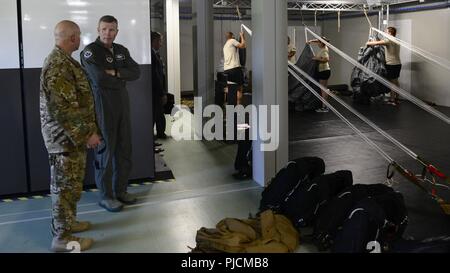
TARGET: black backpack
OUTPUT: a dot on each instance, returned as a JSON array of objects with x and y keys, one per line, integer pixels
[
  {"x": 331, "y": 218},
  {"x": 304, "y": 203},
  {"x": 287, "y": 179},
  {"x": 378, "y": 220}
]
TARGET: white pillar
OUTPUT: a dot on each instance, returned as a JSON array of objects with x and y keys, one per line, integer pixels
[
  {"x": 173, "y": 49},
  {"x": 203, "y": 14},
  {"x": 270, "y": 87}
]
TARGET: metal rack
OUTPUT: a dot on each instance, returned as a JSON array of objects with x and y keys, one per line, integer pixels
[
  {"x": 232, "y": 4},
  {"x": 308, "y": 7},
  {"x": 332, "y": 6},
  {"x": 327, "y": 5}
]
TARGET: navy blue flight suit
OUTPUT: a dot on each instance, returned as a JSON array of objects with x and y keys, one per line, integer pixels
[{"x": 113, "y": 157}]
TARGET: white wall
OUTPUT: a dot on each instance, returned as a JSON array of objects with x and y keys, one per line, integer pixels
[
  {"x": 353, "y": 34},
  {"x": 9, "y": 53},
  {"x": 429, "y": 30},
  {"x": 40, "y": 17}
]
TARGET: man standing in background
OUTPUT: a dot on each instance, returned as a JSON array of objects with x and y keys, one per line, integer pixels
[
  {"x": 158, "y": 86},
  {"x": 232, "y": 65}
]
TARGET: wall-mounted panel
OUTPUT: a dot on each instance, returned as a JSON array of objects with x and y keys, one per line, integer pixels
[
  {"x": 12, "y": 141},
  {"x": 12, "y": 144}
]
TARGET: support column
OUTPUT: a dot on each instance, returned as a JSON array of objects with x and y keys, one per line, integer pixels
[
  {"x": 203, "y": 16},
  {"x": 173, "y": 49},
  {"x": 270, "y": 85}
]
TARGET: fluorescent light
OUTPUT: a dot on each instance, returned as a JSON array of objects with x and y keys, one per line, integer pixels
[
  {"x": 78, "y": 18},
  {"x": 77, "y": 3},
  {"x": 79, "y": 11}
]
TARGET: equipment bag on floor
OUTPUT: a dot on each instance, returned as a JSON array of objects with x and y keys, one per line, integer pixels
[
  {"x": 269, "y": 233},
  {"x": 373, "y": 222},
  {"x": 304, "y": 203},
  {"x": 287, "y": 179},
  {"x": 331, "y": 218}
]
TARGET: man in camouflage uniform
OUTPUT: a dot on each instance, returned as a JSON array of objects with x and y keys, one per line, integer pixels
[{"x": 68, "y": 127}]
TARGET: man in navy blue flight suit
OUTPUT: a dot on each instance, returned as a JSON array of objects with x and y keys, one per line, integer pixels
[{"x": 109, "y": 66}]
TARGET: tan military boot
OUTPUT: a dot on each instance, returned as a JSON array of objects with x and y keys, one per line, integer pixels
[
  {"x": 71, "y": 244},
  {"x": 80, "y": 226}
]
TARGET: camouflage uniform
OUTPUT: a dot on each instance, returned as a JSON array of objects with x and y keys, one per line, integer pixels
[{"x": 67, "y": 121}]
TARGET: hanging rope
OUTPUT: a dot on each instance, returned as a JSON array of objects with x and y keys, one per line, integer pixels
[
  {"x": 427, "y": 166},
  {"x": 385, "y": 82},
  {"x": 315, "y": 18},
  {"x": 301, "y": 14},
  {"x": 239, "y": 16},
  {"x": 238, "y": 13},
  {"x": 368, "y": 20},
  {"x": 339, "y": 21}
]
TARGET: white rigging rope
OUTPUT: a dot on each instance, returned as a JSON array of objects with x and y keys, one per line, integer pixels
[
  {"x": 355, "y": 112},
  {"x": 385, "y": 82},
  {"x": 356, "y": 130}
]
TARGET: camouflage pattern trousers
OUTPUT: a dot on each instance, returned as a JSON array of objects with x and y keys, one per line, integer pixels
[{"x": 67, "y": 172}]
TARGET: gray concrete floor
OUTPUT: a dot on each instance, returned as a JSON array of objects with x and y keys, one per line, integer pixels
[{"x": 165, "y": 219}]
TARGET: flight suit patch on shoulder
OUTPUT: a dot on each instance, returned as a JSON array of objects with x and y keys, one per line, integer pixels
[
  {"x": 120, "y": 57},
  {"x": 109, "y": 60},
  {"x": 87, "y": 54}
]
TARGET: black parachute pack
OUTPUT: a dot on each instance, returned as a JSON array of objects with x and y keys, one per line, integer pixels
[
  {"x": 305, "y": 202},
  {"x": 332, "y": 217},
  {"x": 299, "y": 96},
  {"x": 379, "y": 220},
  {"x": 364, "y": 85},
  {"x": 287, "y": 179}
]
